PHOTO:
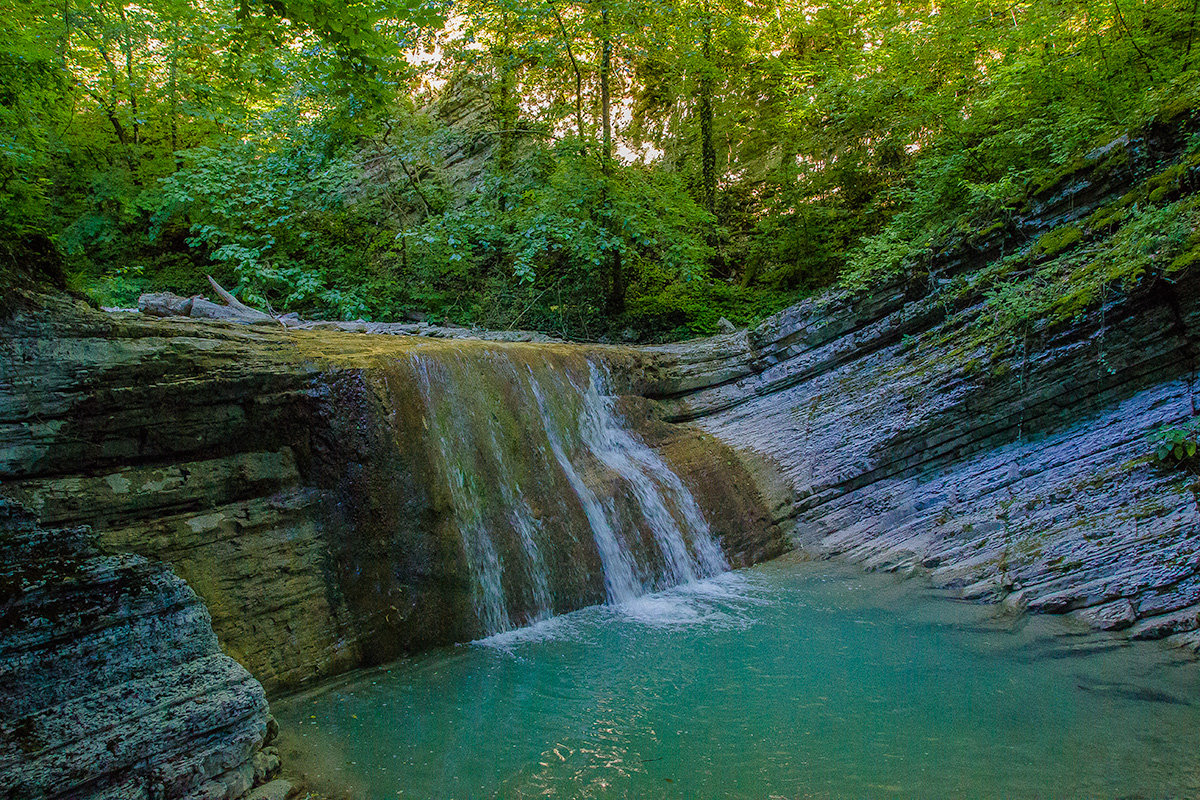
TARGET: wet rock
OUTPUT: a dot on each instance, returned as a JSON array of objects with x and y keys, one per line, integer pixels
[
  {"x": 285, "y": 474},
  {"x": 1114, "y": 616},
  {"x": 180, "y": 440},
  {"x": 272, "y": 732},
  {"x": 1164, "y": 625},
  {"x": 1025, "y": 477},
  {"x": 266, "y": 765},
  {"x": 275, "y": 790}
]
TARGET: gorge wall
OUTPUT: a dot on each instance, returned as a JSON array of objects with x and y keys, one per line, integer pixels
[
  {"x": 1015, "y": 471},
  {"x": 320, "y": 500},
  {"x": 299, "y": 481},
  {"x": 1037, "y": 486},
  {"x": 111, "y": 679}
]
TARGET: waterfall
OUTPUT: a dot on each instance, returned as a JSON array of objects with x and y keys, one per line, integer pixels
[
  {"x": 654, "y": 485},
  {"x": 555, "y": 502},
  {"x": 620, "y": 583}
]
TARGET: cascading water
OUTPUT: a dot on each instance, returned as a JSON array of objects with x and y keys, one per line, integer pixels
[
  {"x": 654, "y": 485},
  {"x": 620, "y": 583},
  {"x": 548, "y": 489}
]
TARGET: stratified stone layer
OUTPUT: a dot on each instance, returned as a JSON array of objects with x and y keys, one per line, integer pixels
[
  {"x": 1022, "y": 472},
  {"x": 289, "y": 475},
  {"x": 111, "y": 680}
]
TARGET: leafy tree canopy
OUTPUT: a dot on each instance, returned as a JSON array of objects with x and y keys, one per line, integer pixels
[{"x": 593, "y": 168}]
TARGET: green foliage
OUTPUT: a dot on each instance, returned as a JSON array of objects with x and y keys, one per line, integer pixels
[
  {"x": 272, "y": 209},
  {"x": 1153, "y": 244},
  {"x": 541, "y": 260},
  {"x": 121, "y": 288},
  {"x": 681, "y": 308},
  {"x": 31, "y": 90},
  {"x": 1058, "y": 240},
  {"x": 365, "y": 159},
  {"x": 1046, "y": 83},
  {"x": 1176, "y": 445}
]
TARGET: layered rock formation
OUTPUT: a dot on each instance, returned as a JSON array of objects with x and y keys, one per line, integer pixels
[
  {"x": 1019, "y": 471},
  {"x": 111, "y": 679},
  {"x": 300, "y": 482},
  {"x": 287, "y": 475},
  {"x": 309, "y": 494},
  {"x": 1037, "y": 486}
]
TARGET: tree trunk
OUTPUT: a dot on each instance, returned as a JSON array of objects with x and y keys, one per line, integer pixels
[
  {"x": 578, "y": 75},
  {"x": 110, "y": 103},
  {"x": 130, "y": 82},
  {"x": 1187, "y": 59},
  {"x": 605, "y": 91},
  {"x": 173, "y": 88},
  {"x": 505, "y": 149},
  {"x": 64, "y": 43},
  {"x": 708, "y": 151},
  {"x": 616, "y": 278}
]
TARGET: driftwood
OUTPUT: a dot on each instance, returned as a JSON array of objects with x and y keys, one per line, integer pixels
[
  {"x": 206, "y": 309},
  {"x": 237, "y": 306},
  {"x": 165, "y": 304}
]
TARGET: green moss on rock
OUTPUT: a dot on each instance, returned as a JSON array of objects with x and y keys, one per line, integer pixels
[{"x": 1058, "y": 240}]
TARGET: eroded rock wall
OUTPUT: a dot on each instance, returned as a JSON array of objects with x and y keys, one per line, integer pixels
[
  {"x": 1018, "y": 471},
  {"x": 179, "y": 441},
  {"x": 111, "y": 679},
  {"x": 286, "y": 475}
]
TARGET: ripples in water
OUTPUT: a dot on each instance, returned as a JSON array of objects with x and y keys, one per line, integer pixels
[{"x": 789, "y": 680}]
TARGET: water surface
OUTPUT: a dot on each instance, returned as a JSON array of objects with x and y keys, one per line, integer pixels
[{"x": 789, "y": 680}]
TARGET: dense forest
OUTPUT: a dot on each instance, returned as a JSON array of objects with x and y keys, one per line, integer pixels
[{"x": 601, "y": 169}]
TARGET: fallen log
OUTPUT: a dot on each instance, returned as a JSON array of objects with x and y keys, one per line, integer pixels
[
  {"x": 233, "y": 302},
  {"x": 238, "y": 306},
  {"x": 165, "y": 304},
  {"x": 207, "y": 309}
]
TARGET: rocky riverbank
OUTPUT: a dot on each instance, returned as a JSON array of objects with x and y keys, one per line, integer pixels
[
  {"x": 112, "y": 681},
  {"x": 1033, "y": 483}
]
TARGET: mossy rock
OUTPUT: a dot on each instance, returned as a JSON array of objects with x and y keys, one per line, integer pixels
[
  {"x": 1114, "y": 155},
  {"x": 1058, "y": 240},
  {"x": 1188, "y": 259},
  {"x": 995, "y": 227},
  {"x": 1109, "y": 215}
]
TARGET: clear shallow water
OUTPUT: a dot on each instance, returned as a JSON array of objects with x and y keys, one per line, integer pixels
[{"x": 789, "y": 680}]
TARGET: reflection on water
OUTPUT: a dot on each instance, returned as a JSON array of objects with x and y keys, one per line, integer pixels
[{"x": 790, "y": 680}]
